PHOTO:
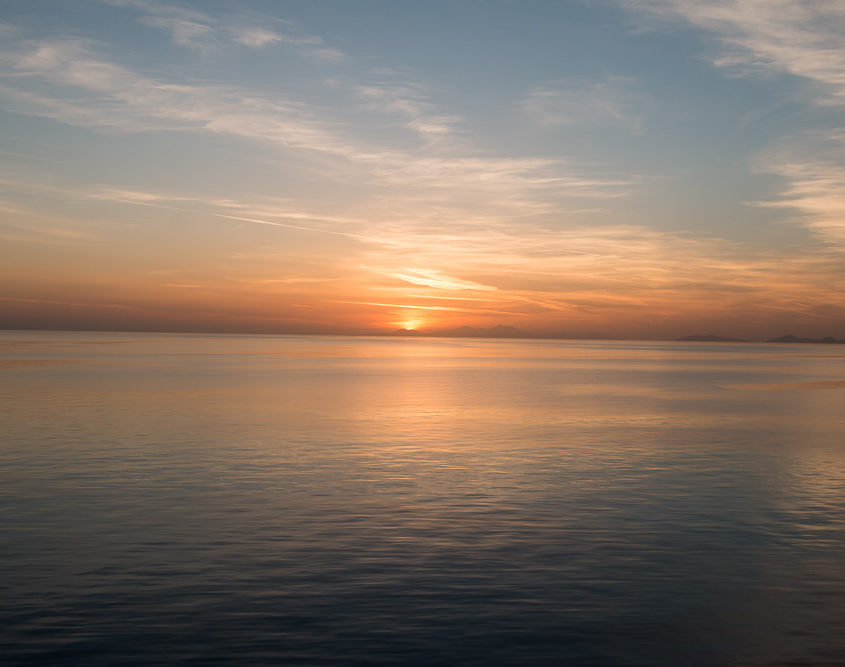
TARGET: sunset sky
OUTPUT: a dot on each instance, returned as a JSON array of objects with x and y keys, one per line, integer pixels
[{"x": 647, "y": 168}]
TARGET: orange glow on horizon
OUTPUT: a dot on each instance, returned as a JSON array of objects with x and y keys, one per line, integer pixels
[{"x": 411, "y": 324}]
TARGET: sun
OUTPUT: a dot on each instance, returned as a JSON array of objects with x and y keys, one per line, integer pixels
[{"x": 411, "y": 325}]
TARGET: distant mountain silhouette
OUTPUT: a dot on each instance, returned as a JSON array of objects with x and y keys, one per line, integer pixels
[
  {"x": 710, "y": 338},
  {"x": 794, "y": 339},
  {"x": 407, "y": 332}
]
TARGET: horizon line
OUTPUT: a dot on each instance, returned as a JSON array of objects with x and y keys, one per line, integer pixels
[{"x": 419, "y": 333}]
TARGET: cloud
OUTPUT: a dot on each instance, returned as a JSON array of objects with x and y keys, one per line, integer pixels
[
  {"x": 65, "y": 80},
  {"x": 267, "y": 211},
  {"x": 199, "y": 31},
  {"x": 22, "y": 223},
  {"x": 805, "y": 39},
  {"x": 188, "y": 28},
  {"x": 189, "y": 34},
  {"x": 815, "y": 190},
  {"x": 623, "y": 276},
  {"x": 409, "y": 101},
  {"x": 802, "y": 39},
  {"x": 256, "y": 37},
  {"x": 271, "y": 214},
  {"x": 583, "y": 276},
  {"x": 436, "y": 279},
  {"x": 566, "y": 102},
  {"x": 70, "y": 84}
]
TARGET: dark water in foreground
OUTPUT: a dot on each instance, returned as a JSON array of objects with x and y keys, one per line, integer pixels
[{"x": 266, "y": 500}]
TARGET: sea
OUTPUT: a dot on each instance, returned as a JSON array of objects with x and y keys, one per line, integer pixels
[{"x": 287, "y": 500}]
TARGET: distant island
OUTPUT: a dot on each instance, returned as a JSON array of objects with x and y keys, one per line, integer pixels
[
  {"x": 828, "y": 340},
  {"x": 506, "y": 331},
  {"x": 710, "y": 338}
]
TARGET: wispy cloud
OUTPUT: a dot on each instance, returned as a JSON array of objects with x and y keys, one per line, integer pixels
[
  {"x": 199, "y": 31},
  {"x": 95, "y": 92},
  {"x": 802, "y": 39},
  {"x": 815, "y": 190},
  {"x": 612, "y": 100},
  {"x": 805, "y": 39},
  {"x": 410, "y": 102},
  {"x": 188, "y": 28},
  {"x": 581, "y": 277},
  {"x": 436, "y": 279},
  {"x": 260, "y": 213},
  {"x": 65, "y": 80},
  {"x": 23, "y": 223},
  {"x": 256, "y": 37},
  {"x": 184, "y": 32}
]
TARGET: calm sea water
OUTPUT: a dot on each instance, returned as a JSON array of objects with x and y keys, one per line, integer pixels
[{"x": 321, "y": 500}]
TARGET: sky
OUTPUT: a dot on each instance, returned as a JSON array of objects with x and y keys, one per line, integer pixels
[{"x": 636, "y": 169}]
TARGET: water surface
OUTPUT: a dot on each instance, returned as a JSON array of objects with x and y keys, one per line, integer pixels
[{"x": 329, "y": 500}]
